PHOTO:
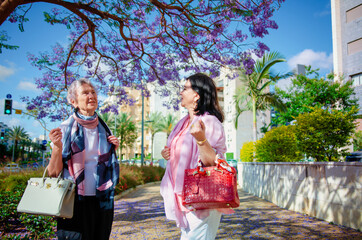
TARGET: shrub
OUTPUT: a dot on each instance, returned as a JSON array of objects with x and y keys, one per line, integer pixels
[
  {"x": 9, "y": 201},
  {"x": 15, "y": 237},
  {"x": 278, "y": 145},
  {"x": 9, "y": 181},
  {"x": 12, "y": 186},
  {"x": 131, "y": 175},
  {"x": 323, "y": 133},
  {"x": 247, "y": 152},
  {"x": 11, "y": 189},
  {"x": 357, "y": 141},
  {"x": 152, "y": 174},
  {"x": 40, "y": 227}
]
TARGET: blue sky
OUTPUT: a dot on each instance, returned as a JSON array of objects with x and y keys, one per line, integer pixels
[{"x": 304, "y": 37}]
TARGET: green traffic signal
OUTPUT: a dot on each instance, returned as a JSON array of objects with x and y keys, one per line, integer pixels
[
  {"x": 2, "y": 135},
  {"x": 8, "y": 106}
]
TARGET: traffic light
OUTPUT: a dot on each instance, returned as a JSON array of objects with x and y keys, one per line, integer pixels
[
  {"x": 8, "y": 106},
  {"x": 2, "y": 135}
]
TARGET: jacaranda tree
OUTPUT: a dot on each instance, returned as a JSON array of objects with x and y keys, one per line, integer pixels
[{"x": 127, "y": 43}]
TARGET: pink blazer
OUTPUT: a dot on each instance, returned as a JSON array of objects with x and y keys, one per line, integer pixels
[{"x": 184, "y": 155}]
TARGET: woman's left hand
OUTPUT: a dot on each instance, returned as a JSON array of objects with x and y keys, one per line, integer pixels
[
  {"x": 112, "y": 139},
  {"x": 198, "y": 130},
  {"x": 206, "y": 152}
]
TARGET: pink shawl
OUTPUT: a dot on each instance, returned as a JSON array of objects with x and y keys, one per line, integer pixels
[{"x": 185, "y": 157}]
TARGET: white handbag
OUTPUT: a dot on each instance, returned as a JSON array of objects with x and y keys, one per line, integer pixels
[{"x": 48, "y": 196}]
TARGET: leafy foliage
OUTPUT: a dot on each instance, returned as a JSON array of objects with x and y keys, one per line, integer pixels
[
  {"x": 120, "y": 44},
  {"x": 40, "y": 227},
  {"x": 357, "y": 141},
  {"x": 311, "y": 91},
  {"x": 167, "y": 123},
  {"x": 323, "y": 132},
  {"x": 12, "y": 186},
  {"x": 247, "y": 152},
  {"x": 154, "y": 123},
  {"x": 125, "y": 129},
  {"x": 3, "y": 38},
  {"x": 11, "y": 189},
  {"x": 278, "y": 145},
  {"x": 17, "y": 133},
  {"x": 131, "y": 176},
  {"x": 254, "y": 94},
  {"x": 9, "y": 201}
]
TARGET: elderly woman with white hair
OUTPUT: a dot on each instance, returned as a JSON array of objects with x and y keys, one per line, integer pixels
[{"x": 84, "y": 148}]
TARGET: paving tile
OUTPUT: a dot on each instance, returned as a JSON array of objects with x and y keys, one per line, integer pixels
[{"x": 139, "y": 214}]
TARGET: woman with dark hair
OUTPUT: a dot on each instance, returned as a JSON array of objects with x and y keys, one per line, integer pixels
[
  {"x": 83, "y": 147},
  {"x": 199, "y": 134}
]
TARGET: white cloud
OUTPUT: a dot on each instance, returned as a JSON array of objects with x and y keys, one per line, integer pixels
[
  {"x": 309, "y": 57},
  {"x": 36, "y": 124},
  {"x": 14, "y": 122},
  {"x": 6, "y": 72},
  {"x": 32, "y": 135},
  {"x": 19, "y": 105},
  {"x": 28, "y": 86}
]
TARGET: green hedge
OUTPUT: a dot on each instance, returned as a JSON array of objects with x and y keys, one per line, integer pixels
[
  {"x": 12, "y": 186},
  {"x": 247, "y": 152},
  {"x": 278, "y": 145},
  {"x": 131, "y": 175}
]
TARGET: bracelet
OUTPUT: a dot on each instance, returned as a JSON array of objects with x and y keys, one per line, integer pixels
[{"x": 201, "y": 142}]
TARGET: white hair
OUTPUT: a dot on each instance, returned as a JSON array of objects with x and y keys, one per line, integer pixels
[{"x": 72, "y": 90}]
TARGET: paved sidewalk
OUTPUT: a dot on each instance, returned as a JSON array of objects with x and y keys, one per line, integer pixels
[{"x": 139, "y": 214}]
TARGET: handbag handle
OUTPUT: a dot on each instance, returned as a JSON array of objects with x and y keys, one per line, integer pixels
[
  {"x": 221, "y": 165},
  {"x": 59, "y": 177}
]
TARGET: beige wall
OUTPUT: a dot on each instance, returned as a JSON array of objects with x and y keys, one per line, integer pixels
[
  {"x": 359, "y": 124},
  {"x": 331, "y": 191},
  {"x": 135, "y": 111}
]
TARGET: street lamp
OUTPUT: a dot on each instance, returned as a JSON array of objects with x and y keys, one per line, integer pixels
[{"x": 142, "y": 128}]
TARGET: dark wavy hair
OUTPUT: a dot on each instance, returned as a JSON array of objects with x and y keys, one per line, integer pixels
[{"x": 208, "y": 101}]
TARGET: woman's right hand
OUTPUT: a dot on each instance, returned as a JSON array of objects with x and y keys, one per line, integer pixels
[
  {"x": 55, "y": 135},
  {"x": 166, "y": 153},
  {"x": 55, "y": 165}
]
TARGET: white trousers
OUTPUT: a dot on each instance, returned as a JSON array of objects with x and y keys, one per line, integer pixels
[{"x": 201, "y": 229}]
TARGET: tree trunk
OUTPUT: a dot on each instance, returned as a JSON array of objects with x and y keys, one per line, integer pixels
[
  {"x": 152, "y": 148},
  {"x": 254, "y": 127},
  {"x": 254, "y": 121}
]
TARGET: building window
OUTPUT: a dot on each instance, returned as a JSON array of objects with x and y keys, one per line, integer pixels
[
  {"x": 357, "y": 79},
  {"x": 354, "y": 13},
  {"x": 354, "y": 46}
]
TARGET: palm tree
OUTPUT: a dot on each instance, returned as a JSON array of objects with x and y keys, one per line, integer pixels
[
  {"x": 17, "y": 134},
  {"x": 154, "y": 125},
  {"x": 126, "y": 131},
  {"x": 167, "y": 123},
  {"x": 254, "y": 95},
  {"x": 109, "y": 119}
]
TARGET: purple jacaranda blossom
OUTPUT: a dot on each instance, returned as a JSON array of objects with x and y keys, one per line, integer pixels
[{"x": 146, "y": 43}]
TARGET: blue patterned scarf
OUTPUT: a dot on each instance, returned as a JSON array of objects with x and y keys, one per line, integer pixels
[{"x": 74, "y": 158}]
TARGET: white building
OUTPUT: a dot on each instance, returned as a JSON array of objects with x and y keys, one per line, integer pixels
[
  {"x": 347, "y": 43},
  {"x": 235, "y": 138}
]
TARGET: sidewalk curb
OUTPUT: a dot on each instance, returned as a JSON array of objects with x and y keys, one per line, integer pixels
[{"x": 128, "y": 191}]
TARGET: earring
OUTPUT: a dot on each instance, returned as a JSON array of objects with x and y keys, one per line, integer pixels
[{"x": 195, "y": 105}]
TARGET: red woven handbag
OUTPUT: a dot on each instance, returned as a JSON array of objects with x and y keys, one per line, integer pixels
[{"x": 210, "y": 187}]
